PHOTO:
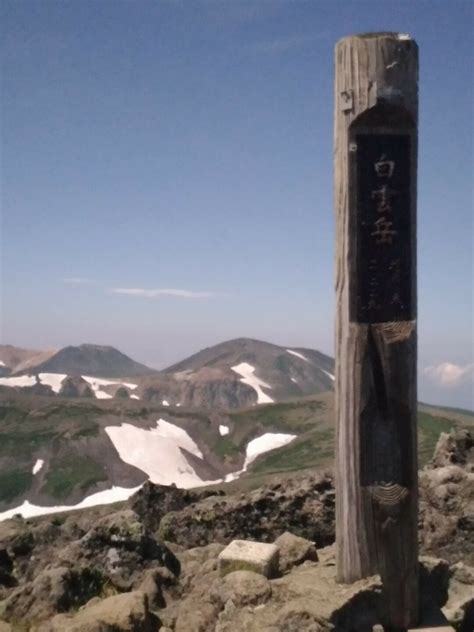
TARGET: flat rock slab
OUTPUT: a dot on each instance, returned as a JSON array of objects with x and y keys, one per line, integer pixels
[{"x": 244, "y": 555}]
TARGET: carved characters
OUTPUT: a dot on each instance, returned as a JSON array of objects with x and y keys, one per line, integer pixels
[{"x": 382, "y": 211}]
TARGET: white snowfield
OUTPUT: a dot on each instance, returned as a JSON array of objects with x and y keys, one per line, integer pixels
[
  {"x": 107, "y": 496},
  {"x": 223, "y": 430},
  {"x": 260, "y": 445},
  {"x": 96, "y": 382},
  {"x": 330, "y": 375},
  {"x": 158, "y": 452},
  {"x": 298, "y": 355},
  {"x": 134, "y": 397},
  {"x": 37, "y": 466},
  {"x": 165, "y": 402},
  {"x": 2, "y": 363},
  {"x": 54, "y": 380},
  {"x": 21, "y": 380},
  {"x": 265, "y": 443},
  {"x": 247, "y": 372}
]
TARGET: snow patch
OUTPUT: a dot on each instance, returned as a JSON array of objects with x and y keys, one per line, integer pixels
[
  {"x": 54, "y": 380},
  {"x": 105, "y": 497},
  {"x": 96, "y": 382},
  {"x": 134, "y": 397},
  {"x": 102, "y": 394},
  {"x": 37, "y": 466},
  {"x": 165, "y": 402},
  {"x": 2, "y": 363},
  {"x": 260, "y": 445},
  {"x": 223, "y": 430},
  {"x": 298, "y": 355},
  {"x": 158, "y": 452},
  {"x": 293, "y": 380},
  {"x": 248, "y": 377},
  {"x": 22, "y": 380},
  {"x": 330, "y": 375},
  {"x": 265, "y": 443}
]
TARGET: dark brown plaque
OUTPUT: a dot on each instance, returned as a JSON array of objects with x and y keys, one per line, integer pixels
[{"x": 380, "y": 170}]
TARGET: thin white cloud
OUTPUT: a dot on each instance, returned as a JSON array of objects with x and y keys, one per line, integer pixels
[
  {"x": 280, "y": 44},
  {"x": 448, "y": 374},
  {"x": 156, "y": 293},
  {"x": 78, "y": 281}
]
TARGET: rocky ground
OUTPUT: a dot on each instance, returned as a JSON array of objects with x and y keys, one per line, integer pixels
[{"x": 153, "y": 565}]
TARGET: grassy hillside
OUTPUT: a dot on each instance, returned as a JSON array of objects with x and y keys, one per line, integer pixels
[
  {"x": 313, "y": 421},
  {"x": 69, "y": 436}
]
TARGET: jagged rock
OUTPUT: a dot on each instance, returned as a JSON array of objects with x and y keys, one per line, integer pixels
[
  {"x": 307, "y": 598},
  {"x": 197, "y": 562},
  {"x": 75, "y": 386},
  {"x": 294, "y": 550},
  {"x": 192, "y": 607},
  {"x": 128, "y": 612},
  {"x": 304, "y": 506},
  {"x": 6, "y": 568},
  {"x": 459, "y": 608},
  {"x": 16, "y": 538},
  {"x": 123, "y": 547},
  {"x": 243, "y": 588},
  {"x": 51, "y": 558},
  {"x": 152, "y": 502},
  {"x": 434, "y": 580},
  {"x": 196, "y": 615},
  {"x": 54, "y": 590},
  {"x": 446, "y": 519},
  {"x": 151, "y": 585},
  {"x": 122, "y": 393},
  {"x": 456, "y": 448}
]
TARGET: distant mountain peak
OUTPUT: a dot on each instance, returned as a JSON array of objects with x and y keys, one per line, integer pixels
[{"x": 90, "y": 359}]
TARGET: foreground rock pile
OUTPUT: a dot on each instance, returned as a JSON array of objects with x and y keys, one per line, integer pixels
[
  {"x": 154, "y": 565},
  {"x": 446, "y": 485}
]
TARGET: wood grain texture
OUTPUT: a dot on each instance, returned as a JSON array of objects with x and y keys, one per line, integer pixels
[{"x": 376, "y": 464}]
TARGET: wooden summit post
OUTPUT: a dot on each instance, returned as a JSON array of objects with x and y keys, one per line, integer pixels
[{"x": 376, "y": 107}]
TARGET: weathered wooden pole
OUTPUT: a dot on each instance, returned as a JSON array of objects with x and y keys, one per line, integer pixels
[{"x": 376, "y": 111}]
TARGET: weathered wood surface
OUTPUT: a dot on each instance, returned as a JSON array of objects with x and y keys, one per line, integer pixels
[{"x": 376, "y": 92}]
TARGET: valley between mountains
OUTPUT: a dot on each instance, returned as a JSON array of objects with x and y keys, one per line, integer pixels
[{"x": 87, "y": 425}]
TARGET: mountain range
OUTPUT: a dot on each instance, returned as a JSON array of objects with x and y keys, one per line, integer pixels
[
  {"x": 229, "y": 375},
  {"x": 89, "y": 425}
]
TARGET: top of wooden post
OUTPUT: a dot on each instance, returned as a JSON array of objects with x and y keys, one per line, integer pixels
[
  {"x": 376, "y": 67},
  {"x": 381, "y": 34}
]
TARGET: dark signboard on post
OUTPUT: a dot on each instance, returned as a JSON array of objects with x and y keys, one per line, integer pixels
[{"x": 380, "y": 169}]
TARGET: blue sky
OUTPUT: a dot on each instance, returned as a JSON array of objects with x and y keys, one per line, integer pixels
[{"x": 187, "y": 145}]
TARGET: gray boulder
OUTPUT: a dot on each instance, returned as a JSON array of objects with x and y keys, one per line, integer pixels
[
  {"x": 294, "y": 551},
  {"x": 243, "y": 588},
  {"x": 128, "y": 612},
  {"x": 54, "y": 590}
]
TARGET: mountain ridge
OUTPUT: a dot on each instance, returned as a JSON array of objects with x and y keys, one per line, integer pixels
[
  {"x": 89, "y": 359},
  {"x": 230, "y": 375}
]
